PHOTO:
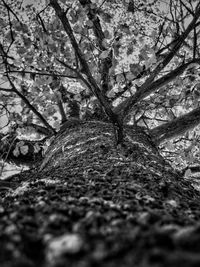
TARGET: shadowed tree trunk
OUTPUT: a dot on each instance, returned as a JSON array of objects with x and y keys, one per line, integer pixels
[{"x": 93, "y": 203}]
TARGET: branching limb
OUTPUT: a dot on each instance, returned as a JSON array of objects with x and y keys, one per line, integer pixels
[
  {"x": 38, "y": 129},
  {"x": 176, "y": 127},
  {"x": 144, "y": 92},
  {"x": 179, "y": 42},
  {"x": 26, "y": 101},
  {"x": 85, "y": 67},
  {"x": 34, "y": 110},
  {"x": 106, "y": 63},
  {"x": 10, "y": 10},
  {"x": 187, "y": 8},
  {"x": 126, "y": 106}
]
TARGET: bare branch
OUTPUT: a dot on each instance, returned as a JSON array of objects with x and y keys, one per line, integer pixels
[
  {"x": 144, "y": 92},
  {"x": 6, "y": 90},
  {"x": 41, "y": 73},
  {"x": 10, "y": 10},
  {"x": 194, "y": 43},
  {"x": 105, "y": 64},
  {"x": 38, "y": 114},
  {"x": 125, "y": 107},
  {"x": 42, "y": 23},
  {"x": 187, "y": 8},
  {"x": 66, "y": 65}
]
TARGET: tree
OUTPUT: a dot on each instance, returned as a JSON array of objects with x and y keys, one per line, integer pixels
[
  {"x": 83, "y": 59},
  {"x": 102, "y": 177}
]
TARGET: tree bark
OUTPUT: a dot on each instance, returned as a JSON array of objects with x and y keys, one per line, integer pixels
[
  {"x": 176, "y": 127},
  {"x": 95, "y": 203}
]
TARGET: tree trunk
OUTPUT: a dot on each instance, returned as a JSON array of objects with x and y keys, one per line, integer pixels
[{"x": 93, "y": 203}]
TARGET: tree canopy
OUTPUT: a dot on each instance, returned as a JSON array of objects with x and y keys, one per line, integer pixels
[{"x": 130, "y": 61}]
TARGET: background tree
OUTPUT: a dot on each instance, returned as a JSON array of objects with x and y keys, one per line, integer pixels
[{"x": 124, "y": 62}]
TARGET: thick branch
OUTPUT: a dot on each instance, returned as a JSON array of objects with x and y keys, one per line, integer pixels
[
  {"x": 96, "y": 90},
  {"x": 38, "y": 129},
  {"x": 176, "y": 127},
  {"x": 106, "y": 63},
  {"x": 85, "y": 67},
  {"x": 144, "y": 92}
]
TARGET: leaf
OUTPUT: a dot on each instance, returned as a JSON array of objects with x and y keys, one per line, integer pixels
[
  {"x": 130, "y": 76},
  {"x": 16, "y": 152},
  {"x": 24, "y": 149},
  {"x": 74, "y": 17},
  {"x": 119, "y": 78},
  {"x": 130, "y": 50},
  {"x": 29, "y": 118},
  {"x": 125, "y": 28},
  {"x": 107, "y": 34},
  {"x": 190, "y": 157},
  {"x": 36, "y": 148},
  {"x": 105, "y": 43},
  {"x": 188, "y": 173},
  {"x": 106, "y": 17},
  {"x": 135, "y": 69},
  {"x": 89, "y": 23},
  {"x": 27, "y": 42},
  {"x": 170, "y": 146},
  {"x": 104, "y": 54},
  {"x": 18, "y": 109},
  {"x": 2, "y": 23},
  {"x": 56, "y": 125},
  {"x": 152, "y": 60},
  {"x": 43, "y": 80},
  {"x": 21, "y": 50},
  {"x": 20, "y": 143}
]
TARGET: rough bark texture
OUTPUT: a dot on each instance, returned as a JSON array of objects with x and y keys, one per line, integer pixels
[{"x": 95, "y": 204}]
